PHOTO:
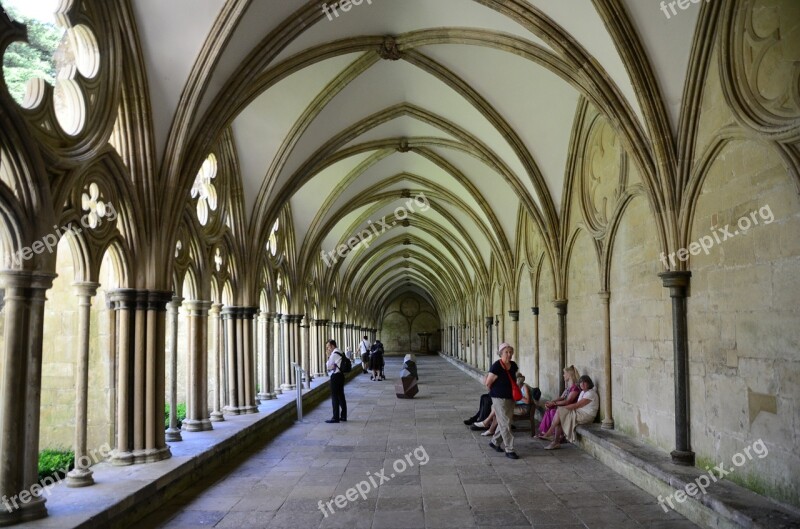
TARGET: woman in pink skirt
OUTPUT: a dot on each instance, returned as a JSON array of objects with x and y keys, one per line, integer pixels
[{"x": 569, "y": 396}]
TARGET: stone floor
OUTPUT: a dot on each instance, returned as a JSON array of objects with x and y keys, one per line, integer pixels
[{"x": 435, "y": 472}]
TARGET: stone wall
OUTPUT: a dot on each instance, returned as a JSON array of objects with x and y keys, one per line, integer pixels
[{"x": 406, "y": 316}]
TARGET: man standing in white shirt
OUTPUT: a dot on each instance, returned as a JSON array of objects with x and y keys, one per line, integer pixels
[
  {"x": 363, "y": 351},
  {"x": 337, "y": 382}
]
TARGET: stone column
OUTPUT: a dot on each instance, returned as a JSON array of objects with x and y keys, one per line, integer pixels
[
  {"x": 305, "y": 351},
  {"x": 173, "y": 433},
  {"x": 248, "y": 315},
  {"x": 197, "y": 417},
  {"x": 21, "y": 397},
  {"x": 535, "y": 311},
  {"x": 265, "y": 360},
  {"x": 81, "y": 475},
  {"x": 497, "y": 341},
  {"x": 514, "y": 335},
  {"x": 288, "y": 346},
  {"x": 561, "y": 308},
  {"x": 678, "y": 283},
  {"x": 229, "y": 323},
  {"x": 322, "y": 337},
  {"x": 608, "y": 420},
  {"x": 141, "y": 325},
  {"x": 277, "y": 358},
  {"x": 489, "y": 349},
  {"x": 217, "y": 348}
]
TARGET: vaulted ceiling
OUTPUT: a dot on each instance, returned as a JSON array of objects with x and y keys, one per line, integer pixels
[{"x": 466, "y": 105}]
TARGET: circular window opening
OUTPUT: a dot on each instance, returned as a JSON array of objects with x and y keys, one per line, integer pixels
[
  {"x": 69, "y": 105},
  {"x": 84, "y": 46}
]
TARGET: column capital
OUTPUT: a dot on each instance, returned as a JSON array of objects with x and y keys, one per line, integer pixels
[
  {"x": 535, "y": 311},
  {"x": 605, "y": 296},
  {"x": 561, "y": 306},
  {"x": 677, "y": 282},
  {"x": 197, "y": 306},
  {"x": 215, "y": 308},
  {"x": 85, "y": 288},
  {"x": 26, "y": 279},
  {"x": 489, "y": 320},
  {"x": 514, "y": 315}
]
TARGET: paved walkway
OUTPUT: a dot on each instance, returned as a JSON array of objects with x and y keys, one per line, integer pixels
[{"x": 440, "y": 474}]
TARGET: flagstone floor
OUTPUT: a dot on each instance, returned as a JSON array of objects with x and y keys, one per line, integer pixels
[{"x": 431, "y": 471}]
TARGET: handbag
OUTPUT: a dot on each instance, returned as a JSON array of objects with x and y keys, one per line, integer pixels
[{"x": 516, "y": 393}]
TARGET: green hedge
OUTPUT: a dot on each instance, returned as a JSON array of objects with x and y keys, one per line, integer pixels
[
  {"x": 52, "y": 461},
  {"x": 181, "y": 414}
]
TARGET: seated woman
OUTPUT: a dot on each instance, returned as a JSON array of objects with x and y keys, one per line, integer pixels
[
  {"x": 569, "y": 396},
  {"x": 570, "y": 416},
  {"x": 521, "y": 409}
]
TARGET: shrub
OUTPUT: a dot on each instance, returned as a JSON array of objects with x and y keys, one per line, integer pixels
[
  {"x": 181, "y": 414},
  {"x": 53, "y": 461}
]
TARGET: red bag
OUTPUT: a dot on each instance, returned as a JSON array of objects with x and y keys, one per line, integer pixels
[{"x": 516, "y": 393}]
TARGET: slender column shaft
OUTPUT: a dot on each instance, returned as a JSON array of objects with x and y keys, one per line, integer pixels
[
  {"x": 229, "y": 324},
  {"x": 214, "y": 322},
  {"x": 173, "y": 433},
  {"x": 248, "y": 319},
  {"x": 142, "y": 377},
  {"x": 81, "y": 475},
  {"x": 535, "y": 311},
  {"x": 197, "y": 418},
  {"x": 277, "y": 354},
  {"x": 678, "y": 283},
  {"x": 608, "y": 420},
  {"x": 286, "y": 353},
  {"x": 561, "y": 308},
  {"x": 21, "y": 397},
  {"x": 264, "y": 321},
  {"x": 241, "y": 372}
]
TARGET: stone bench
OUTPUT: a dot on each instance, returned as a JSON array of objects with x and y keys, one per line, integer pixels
[{"x": 724, "y": 505}]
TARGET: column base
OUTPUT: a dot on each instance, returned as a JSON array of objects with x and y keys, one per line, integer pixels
[
  {"x": 607, "y": 424},
  {"x": 152, "y": 455},
  {"x": 250, "y": 409},
  {"x": 173, "y": 435},
  {"x": 79, "y": 477},
  {"x": 194, "y": 425},
  {"x": 232, "y": 410},
  {"x": 278, "y": 391},
  {"x": 121, "y": 458},
  {"x": 33, "y": 510},
  {"x": 217, "y": 416},
  {"x": 288, "y": 387},
  {"x": 241, "y": 410},
  {"x": 264, "y": 396},
  {"x": 273, "y": 395},
  {"x": 683, "y": 457}
]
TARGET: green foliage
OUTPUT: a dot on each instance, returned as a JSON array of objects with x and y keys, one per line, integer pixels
[
  {"x": 53, "y": 461},
  {"x": 26, "y": 61},
  {"x": 181, "y": 414}
]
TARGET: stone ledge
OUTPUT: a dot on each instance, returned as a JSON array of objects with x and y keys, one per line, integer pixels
[
  {"x": 463, "y": 366},
  {"x": 725, "y": 504},
  {"x": 122, "y": 495}
]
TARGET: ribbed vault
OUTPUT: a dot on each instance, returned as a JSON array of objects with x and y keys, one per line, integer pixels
[{"x": 410, "y": 145}]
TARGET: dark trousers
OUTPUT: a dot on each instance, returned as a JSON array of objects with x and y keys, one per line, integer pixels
[
  {"x": 485, "y": 408},
  {"x": 337, "y": 396}
]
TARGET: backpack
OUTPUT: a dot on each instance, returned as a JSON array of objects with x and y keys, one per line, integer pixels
[{"x": 346, "y": 366}]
